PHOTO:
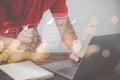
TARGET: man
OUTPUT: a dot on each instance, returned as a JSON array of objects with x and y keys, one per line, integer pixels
[{"x": 16, "y": 13}]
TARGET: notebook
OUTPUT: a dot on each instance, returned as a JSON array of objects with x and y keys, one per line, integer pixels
[{"x": 26, "y": 71}]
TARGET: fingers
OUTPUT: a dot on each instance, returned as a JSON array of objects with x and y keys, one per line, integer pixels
[
  {"x": 34, "y": 44},
  {"x": 26, "y": 35},
  {"x": 74, "y": 57},
  {"x": 29, "y": 38}
]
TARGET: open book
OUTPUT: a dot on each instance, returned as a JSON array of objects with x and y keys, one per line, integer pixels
[{"x": 26, "y": 71}]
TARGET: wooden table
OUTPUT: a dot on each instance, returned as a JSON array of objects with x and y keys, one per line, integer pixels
[
  {"x": 57, "y": 57},
  {"x": 52, "y": 58}
]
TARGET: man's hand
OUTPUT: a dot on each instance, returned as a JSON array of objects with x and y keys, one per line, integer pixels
[
  {"x": 76, "y": 56},
  {"x": 29, "y": 39}
]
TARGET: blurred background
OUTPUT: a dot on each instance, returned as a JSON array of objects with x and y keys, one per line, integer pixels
[{"x": 88, "y": 17}]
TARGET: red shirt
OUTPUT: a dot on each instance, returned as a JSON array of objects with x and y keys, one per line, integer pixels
[{"x": 16, "y": 13}]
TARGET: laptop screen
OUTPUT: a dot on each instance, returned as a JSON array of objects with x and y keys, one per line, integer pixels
[{"x": 105, "y": 59}]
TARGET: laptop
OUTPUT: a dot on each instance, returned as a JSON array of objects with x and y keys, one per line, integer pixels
[{"x": 106, "y": 59}]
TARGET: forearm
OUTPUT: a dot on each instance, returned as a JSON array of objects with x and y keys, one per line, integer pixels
[
  {"x": 5, "y": 40},
  {"x": 67, "y": 32},
  {"x": 69, "y": 37}
]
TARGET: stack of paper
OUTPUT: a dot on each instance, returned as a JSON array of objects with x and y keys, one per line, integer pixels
[{"x": 26, "y": 71}]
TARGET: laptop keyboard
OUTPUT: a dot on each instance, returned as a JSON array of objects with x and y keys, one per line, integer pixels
[
  {"x": 60, "y": 65},
  {"x": 66, "y": 68},
  {"x": 68, "y": 72}
]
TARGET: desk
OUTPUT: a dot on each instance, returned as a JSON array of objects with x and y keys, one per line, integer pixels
[
  {"x": 52, "y": 58},
  {"x": 57, "y": 57}
]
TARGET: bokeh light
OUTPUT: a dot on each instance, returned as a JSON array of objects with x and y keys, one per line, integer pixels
[
  {"x": 114, "y": 19},
  {"x": 117, "y": 68},
  {"x": 1, "y": 46},
  {"x": 92, "y": 49},
  {"x": 87, "y": 31},
  {"x": 94, "y": 20},
  {"x": 105, "y": 53}
]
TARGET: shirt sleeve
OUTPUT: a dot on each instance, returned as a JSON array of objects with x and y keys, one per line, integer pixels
[
  {"x": 3, "y": 8},
  {"x": 59, "y": 8}
]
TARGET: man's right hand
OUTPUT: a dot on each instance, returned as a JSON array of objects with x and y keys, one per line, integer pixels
[
  {"x": 76, "y": 56},
  {"x": 29, "y": 39}
]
